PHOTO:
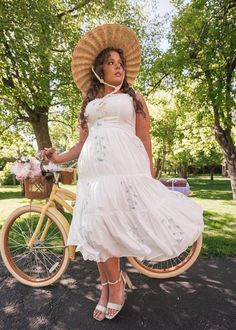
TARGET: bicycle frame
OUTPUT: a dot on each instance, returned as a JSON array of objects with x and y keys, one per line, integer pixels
[{"x": 60, "y": 196}]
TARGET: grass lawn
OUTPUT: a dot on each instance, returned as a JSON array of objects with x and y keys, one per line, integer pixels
[
  {"x": 219, "y": 215},
  {"x": 214, "y": 196}
]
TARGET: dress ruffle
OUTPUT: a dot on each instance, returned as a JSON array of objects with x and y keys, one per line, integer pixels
[
  {"x": 117, "y": 216},
  {"x": 120, "y": 209}
]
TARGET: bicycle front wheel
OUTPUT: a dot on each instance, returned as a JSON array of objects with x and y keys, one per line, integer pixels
[
  {"x": 170, "y": 267},
  {"x": 47, "y": 260}
]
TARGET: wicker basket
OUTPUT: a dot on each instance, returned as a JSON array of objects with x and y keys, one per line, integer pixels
[
  {"x": 38, "y": 188},
  {"x": 67, "y": 175}
]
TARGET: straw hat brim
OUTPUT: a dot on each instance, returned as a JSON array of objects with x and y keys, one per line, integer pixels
[{"x": 99, "y": 38}]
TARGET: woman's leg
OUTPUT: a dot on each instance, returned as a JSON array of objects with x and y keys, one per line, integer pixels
[
  {"x": 116, "y": 291},
  {"x": 104, "y": 291}
]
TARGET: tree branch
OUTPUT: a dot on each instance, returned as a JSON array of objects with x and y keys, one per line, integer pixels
[
  {"x": 58, "y": 50},
  {"x": 230, "y": 67},
  {"x": 60, "y": 121},
  {"x": 13, "y": 123},
  {"x": 157, "y": 83},
  {"x": 210, "y": 89},
  {"x": 62, "y": 14}
]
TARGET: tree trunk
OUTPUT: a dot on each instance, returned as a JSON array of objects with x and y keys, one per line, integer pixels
[
  {"x": 232, "y": 174},
  {"x": 41, "y": 130},
  {"x": 224, "y": 169},
  {"x": 157, "y": 167},
  {"x": 195, "y": 170},
  {"x": 163, "y": 163},
  {"x": 212, "y": 172},
  {"x": 225, "y": 141},
  {"x": 183, "y": 170}
]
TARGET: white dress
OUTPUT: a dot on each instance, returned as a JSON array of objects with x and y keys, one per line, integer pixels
[{"x": 120, "y": 209}]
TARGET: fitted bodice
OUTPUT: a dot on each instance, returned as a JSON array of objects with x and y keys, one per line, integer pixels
[{"x": 114, "y": 110}]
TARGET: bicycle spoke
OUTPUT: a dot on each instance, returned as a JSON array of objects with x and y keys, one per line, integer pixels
[
  {"x": 21, "y": 256},
  {"x": 168, "y": 265},
  {"x": 20, "y": 232},
  {"x": 46, "y": 258}
]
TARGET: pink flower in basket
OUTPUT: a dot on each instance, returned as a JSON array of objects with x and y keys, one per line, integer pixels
[
  {"x": 21, "y": 170},
  {"x": 26, "y": 168},
  {"x": 35, "y": 168}
]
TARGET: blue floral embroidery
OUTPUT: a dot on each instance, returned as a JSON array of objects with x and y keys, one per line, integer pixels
[
  {"x": 131, "y": 195},
  {"x": 133, "y": 230},
  {"x": 87, "y": 197},
  {"x": 136, "y": 235},
  {"x": 100, "y": 146},
  {"x": 83, "y": 226},
  {"x": 101, "y": 110},
  {"x": 174, "y": 229}
]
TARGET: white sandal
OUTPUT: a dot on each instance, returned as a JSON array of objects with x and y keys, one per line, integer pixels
[
  {"x": 100, "y": 308},
  {"x": 118, "y": 307}
]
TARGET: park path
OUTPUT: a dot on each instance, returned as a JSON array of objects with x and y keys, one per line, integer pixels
[{"x": 203, "y": 298}]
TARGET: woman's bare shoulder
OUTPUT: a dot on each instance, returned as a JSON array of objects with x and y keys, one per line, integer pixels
[{"x": 139, "y": 96}]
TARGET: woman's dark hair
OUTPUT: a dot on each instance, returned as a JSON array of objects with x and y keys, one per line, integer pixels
[{"x": 95, "y": 85}]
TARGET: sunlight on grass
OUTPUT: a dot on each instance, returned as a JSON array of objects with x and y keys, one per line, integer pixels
[
  {"x": 11, "y": 198},
  {"x": 215, "y": 197},
  {"x": 219, "y": 234}
]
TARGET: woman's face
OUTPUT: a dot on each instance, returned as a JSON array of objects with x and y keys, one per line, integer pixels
[{"x": 113, "y": 69}]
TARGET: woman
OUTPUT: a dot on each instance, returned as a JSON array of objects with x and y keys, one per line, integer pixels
[{"x": 121, "y": 209}]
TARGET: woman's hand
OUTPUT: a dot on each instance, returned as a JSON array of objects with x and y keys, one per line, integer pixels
[{"x": 49, "y": 154}]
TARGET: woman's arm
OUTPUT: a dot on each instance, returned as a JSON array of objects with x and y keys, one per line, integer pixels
[
  {"x": 142, "y": 130},
  {"x": 71, "y": 154}
]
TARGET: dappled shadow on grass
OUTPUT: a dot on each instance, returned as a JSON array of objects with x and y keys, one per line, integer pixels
[
  {"x": 10, "y": 192},
  {"x": 218, "y": 246},
  {"x": 219, "y": 237},
  {"x": 207, "y": 189}
]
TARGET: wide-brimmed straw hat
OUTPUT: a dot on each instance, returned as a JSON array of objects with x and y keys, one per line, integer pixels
[{"x": 99, "y": 38}]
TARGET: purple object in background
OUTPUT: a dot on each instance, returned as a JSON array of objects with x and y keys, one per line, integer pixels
[
  {"x": 184, "y": 190},
  {"x": 177, "y": 184}
]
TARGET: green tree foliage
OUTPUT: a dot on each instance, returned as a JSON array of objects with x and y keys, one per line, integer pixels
[
  {"x": 37, "y": 40},
  {"x": 13, "y": 145},
  {"x": 163, "y": 128},
  {"x": 202, "y": 51},
  {"x": 179, "y": 139}
]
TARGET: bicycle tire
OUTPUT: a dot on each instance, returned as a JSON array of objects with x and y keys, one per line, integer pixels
[
  {"x": 170, "y": 267},
  {"x": 31, "y": 271}
]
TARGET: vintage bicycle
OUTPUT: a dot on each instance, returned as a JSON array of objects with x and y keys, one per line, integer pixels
[{"x": 34, "y": 249}]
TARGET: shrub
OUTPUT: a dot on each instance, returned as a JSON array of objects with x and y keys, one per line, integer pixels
[{"x": 7, "y": 178}]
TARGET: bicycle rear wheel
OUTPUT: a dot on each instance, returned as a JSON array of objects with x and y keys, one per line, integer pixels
[
  {"x": 47, "y": 260},
  {"x": 170, "y": 267}
]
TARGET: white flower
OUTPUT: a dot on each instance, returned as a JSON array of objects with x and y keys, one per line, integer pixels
[
  {"x": 51, "y": 168},
  {"x": 21, "y": 170}
]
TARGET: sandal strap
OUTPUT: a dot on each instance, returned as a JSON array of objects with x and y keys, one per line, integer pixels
[
  {"x": 101, "y": 308},
  {"x": 114, "y": 306},
  {"x": 115, "y": 281},
  {"x": 125, "y": 278}
]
